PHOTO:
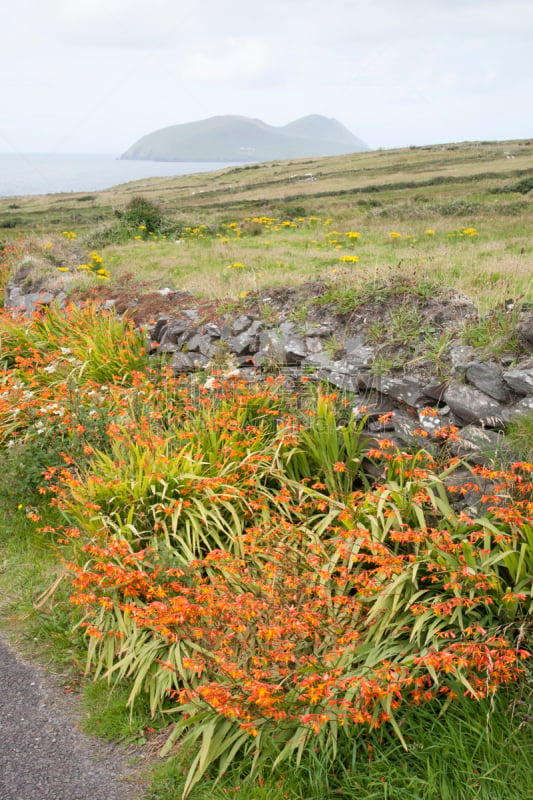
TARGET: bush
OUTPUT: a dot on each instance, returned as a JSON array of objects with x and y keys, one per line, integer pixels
[
  {"x": 140, "y": 219},
  {"x": 142, "y": 213}
]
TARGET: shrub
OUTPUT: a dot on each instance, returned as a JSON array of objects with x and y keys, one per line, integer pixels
[{"x": 141, "y": 212}]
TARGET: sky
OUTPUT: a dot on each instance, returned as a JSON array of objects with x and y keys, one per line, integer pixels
[{"x": 93, "y": 76}]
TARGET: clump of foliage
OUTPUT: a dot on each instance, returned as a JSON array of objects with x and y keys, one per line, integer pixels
[
  {"x": 140, "y": 219},
  {"x": 524, "y": 186},
  {"x": 141, "y": 213}
]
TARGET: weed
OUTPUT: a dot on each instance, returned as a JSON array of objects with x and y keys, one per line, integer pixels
[
  {"x": 434, "y": 350},
  {"x": 377, "y": 332},
  {"x": 407, "y": 324},
  {"x": 496, "y": 332},
  {"x": 520, "y": 432},
  {"x": 383, "y": 365}
]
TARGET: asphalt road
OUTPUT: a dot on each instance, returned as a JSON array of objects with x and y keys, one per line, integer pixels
[{"x": 43, "y": 754}]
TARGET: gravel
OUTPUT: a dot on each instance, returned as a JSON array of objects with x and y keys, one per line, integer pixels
[{"x": 43, "y": 754}]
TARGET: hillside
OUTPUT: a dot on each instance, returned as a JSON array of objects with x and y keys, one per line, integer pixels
[{"x": 235, "y": 138}]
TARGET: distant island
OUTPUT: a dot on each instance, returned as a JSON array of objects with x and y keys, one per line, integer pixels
[{"x": 235, "y": 138}]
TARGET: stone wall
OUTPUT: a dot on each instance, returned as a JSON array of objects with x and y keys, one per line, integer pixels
[{"x": 462, "y": 386}]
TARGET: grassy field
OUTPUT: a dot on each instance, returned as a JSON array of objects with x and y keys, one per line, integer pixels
[
  {"x": 215, "y": 551},
  {"x": 459, "y": 214}
]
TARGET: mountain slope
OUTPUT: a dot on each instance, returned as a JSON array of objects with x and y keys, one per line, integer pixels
[{"x": 235, "y": 138}]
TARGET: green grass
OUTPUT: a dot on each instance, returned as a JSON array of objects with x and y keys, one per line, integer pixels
[
  {"x": 520, "y": 433},
  {"x": 35, "y": 611},
  {"x": 444, "y": 189},
  {"x": 108, "y": 716},
  {"x": 472, "y": 752}
]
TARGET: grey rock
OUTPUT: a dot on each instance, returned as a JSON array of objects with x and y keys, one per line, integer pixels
[
  {"x": 225, "y": 332},
  {"x": 433, "y": 421},
  {"x": 353, "y": 343},
  {"x": 488, "y": 378},
  {"x": 287, "y": 328},
  {"x": 465, "y": 490},
  {"x": 212, "y": 330},
  {"x": 241, "y": 323},
  {"x": 294, "y": 348},
  {"x": 404, "y": 426},
  {"x": 320, "y": 360},
  {"x": 244, "y": 344},
  {"x": 507, "y": 359},
  {"x": 525, "y": 330},
  {"x": 471, "y": 405},
  {"x": 317, "y": 331},
  {"x": 182, "y": 363},
  {"x": 520, "y": 380},
  {"x": 461, "y": 356},
  {"x": 173, "y": 331},
  {"x": 188, "y": 335},
  {"x": 344, "y": 381},
  {"x": 524, "y": 406},
  {"x": 61, "y": 299},
  {"x": 271, "y": 351},
  {"x": 353, "y": 363},
  {"x": 405, "y": 389},
  {"x": 360, "y": 357},
  {"x": 35, "y": 300},
  {"x": 187, "y": 362},
  {"x": 167, "y": 347},
  {"x": 14, "y": 297},
  {"x": 476, "y": 445},
  {"x": 245, "y": 361},
  {"x": 200, "y": 343},
  {"x": 408, "y": 428},
  {"x": 435, "y": 391},
  {"x": 313, "y": 345},
  {"x": 159, "y": 328}
]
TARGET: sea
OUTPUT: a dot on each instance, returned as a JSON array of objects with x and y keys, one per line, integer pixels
[{"x": 50, "y": 173}]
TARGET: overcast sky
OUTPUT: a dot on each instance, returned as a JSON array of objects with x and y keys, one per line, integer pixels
[{"x": 92, "y": 76}]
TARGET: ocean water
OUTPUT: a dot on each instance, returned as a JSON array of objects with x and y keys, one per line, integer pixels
[{"x": 49, "y": 173}]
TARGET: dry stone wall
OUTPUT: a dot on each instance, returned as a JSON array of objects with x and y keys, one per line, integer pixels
[{"x": 465, "y": 387}]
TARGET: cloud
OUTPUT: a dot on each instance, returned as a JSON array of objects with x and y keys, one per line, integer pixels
[
  {"x": 129, "y": 24},
  {"x": 240, "y": 60},
  {"x": 134, "y": 24},
  {"x": 412, "y": 71}
]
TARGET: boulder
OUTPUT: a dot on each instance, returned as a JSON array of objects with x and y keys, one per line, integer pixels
[
  {"x": 241, "y": 323},
  {"x": 471, "y": 405},
  {"x": 246, "y": 342},
  {"x": 488, "y": 378},
  {"x": 187, "y": 362},
  {"x": 405, "y": 389},
  {"x": 476, "y": 445},
  {"x": 525, "y": 331},
  {"x": 461, "y": 356},
  {"x": 173, "y": 331},
  {"x": 519, "y": 380}
]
